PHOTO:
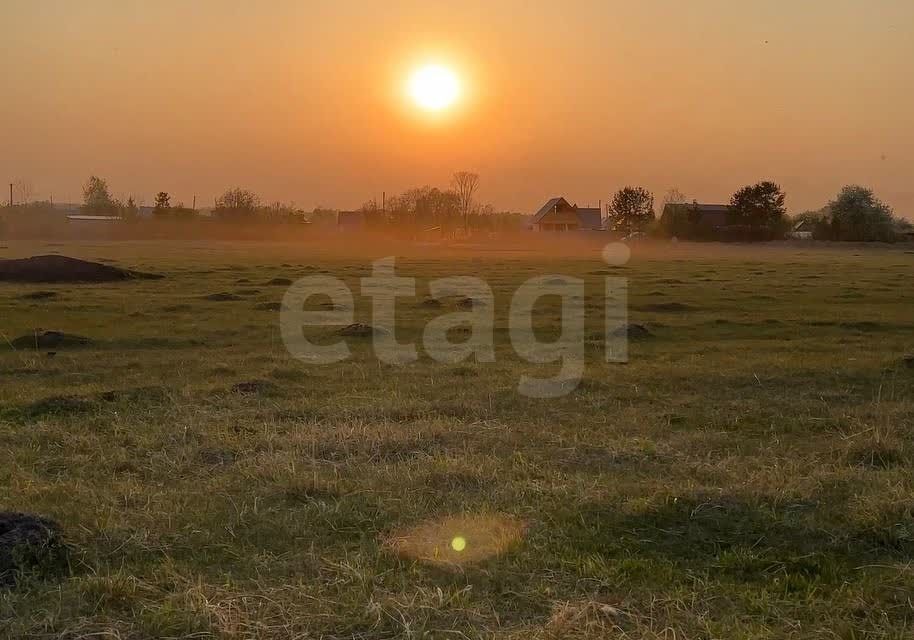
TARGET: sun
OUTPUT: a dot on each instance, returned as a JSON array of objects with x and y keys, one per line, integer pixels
[{"x": 434, "y": 87}]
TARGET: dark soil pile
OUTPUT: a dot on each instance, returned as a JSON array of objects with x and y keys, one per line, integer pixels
[
  {"x": 469, "y": 303},
  {"x": 54, "y": 268},
  {"x": 632, "y": 332},
  {"x": 667, "y": 307},
  {"x": 258, "y": 387},
  {"x": 58, "y": 406},
  {"x": 40, "y": 295},
  {"x": 50, "y": 340},
  {"x": 222, "y": 297},
  {"x": 27, "y": 543},
  {"x": 279, "y": 282},
  {"x": 359, "y": 330}
]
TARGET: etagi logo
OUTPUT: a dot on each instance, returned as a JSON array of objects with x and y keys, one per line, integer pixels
[{"x": 384, "y": 286}]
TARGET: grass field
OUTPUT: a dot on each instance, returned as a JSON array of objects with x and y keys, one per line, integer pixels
[{"x": 748, "y": 474}]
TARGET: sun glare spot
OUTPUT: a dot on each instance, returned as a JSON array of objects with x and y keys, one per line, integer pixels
[{"x": 434, "y": 87}]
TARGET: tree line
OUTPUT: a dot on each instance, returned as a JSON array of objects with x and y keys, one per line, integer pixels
[
  {"x": 447, "y": 211},
  {"x": 758, "y": 212},
  {"x": 235, "y": 204},
  {"x": 754, "y": 212}
]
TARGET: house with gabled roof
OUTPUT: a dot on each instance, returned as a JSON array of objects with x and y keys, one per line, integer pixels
[{"x": 560, "y": 215}]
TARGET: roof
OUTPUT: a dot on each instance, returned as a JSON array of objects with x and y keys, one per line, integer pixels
[
  {"x": 711, "y": 208},
  {"x": 84, "y": 218},
  {"x": 552, "y": 205},
  {"x": 713, "y": 213},
  {"x": 590, "y": 217}
]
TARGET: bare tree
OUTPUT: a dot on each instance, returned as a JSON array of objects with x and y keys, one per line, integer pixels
[
  {"x": 237, "y": 204},
  {"x": 23, "y": 191},
  {"x": 674, "y": 196},
  {"x": 465, "y": 184}
]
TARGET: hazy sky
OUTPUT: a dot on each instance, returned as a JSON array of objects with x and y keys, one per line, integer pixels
[{"x": 305, "y": 101}]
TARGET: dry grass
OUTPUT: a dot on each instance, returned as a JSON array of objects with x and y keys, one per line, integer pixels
[{"x": 748, "y": 474}]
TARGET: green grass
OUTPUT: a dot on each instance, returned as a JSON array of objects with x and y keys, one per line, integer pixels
[{"x": 748, "y": 474}]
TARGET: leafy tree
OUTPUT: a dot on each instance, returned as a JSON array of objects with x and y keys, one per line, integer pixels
[
  {"x": 857, "y": 214},
  {"x": 631, "y": 209},
  {"x": 237, "y": 204},
  {"x": 96, "y": 197},
  {"x": 162, "y": 203},
  {"x": 759, "y": 205}
]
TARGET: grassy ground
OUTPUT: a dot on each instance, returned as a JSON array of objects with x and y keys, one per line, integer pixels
[{"x": 747, "y": 475}]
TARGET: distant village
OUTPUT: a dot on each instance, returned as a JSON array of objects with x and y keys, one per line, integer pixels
[{"x": 754, "y": 213}]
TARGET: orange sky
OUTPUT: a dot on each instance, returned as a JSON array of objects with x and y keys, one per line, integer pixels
[{"x": 304, "y": 101}]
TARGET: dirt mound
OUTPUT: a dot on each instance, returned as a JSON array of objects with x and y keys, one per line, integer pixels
[
  {"x": 27, "y": 543},
  {"x": 136, "y": 395},
  {"x": 431, "y": 303},
  {"x": 330, "y": 306},
  {"x": 40, "y": 295},
  {"x": 268, "y": 306},
  {"x": 222, "y": 297},
  {"x": 469, "y": 303},
  {"x": 255, "y": 387},
  {"x": 359, "y": 330},
  {"x": 55, "y": 268},
  {"x": 278, "y": 282},
  {"x": 50, "y": 340},
  {"x": 667, "y": 307},
  {"x": 58, "y": 406},
  {"x": 632, "y": 332},
  {"x": 908, "y": 360}
]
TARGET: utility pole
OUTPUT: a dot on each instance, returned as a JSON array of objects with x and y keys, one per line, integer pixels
[{"x": 11, "y": 194}]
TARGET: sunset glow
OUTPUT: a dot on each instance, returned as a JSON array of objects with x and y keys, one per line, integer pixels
[{"x": 434, "y": 87}]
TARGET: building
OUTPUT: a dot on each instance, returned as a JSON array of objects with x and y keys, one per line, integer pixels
[
  {"x": 350, "y": 221},
  {"x": 87, "y": 226},
  {"x": 92, "y": 219},
  {"x": 559, "y": 215},
  {"x": 802, "y": 230},
  {"x": 710, "y": 216}
]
